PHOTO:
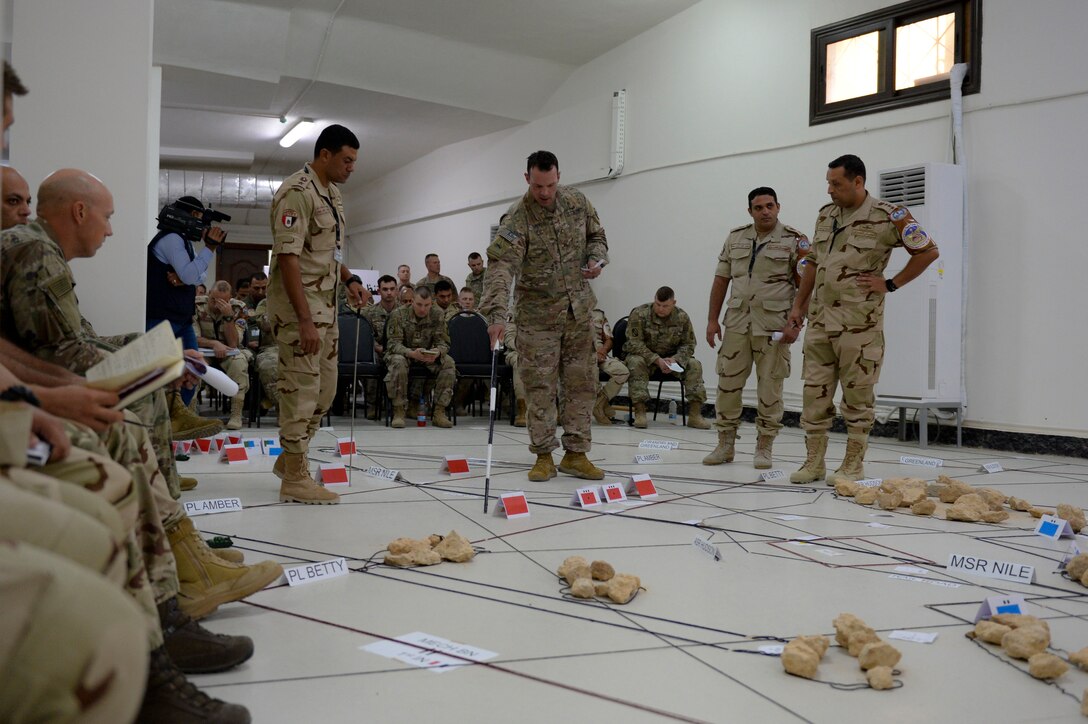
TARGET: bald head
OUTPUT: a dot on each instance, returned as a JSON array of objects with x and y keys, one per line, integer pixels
[
  {"x": 77, "y": 207},
  {"x": 15, "y": 209}
]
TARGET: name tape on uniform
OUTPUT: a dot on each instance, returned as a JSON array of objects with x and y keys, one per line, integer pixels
[
  {"x": 310, "y": 572},
  {"x": 658, "y": 445},
  {"x": 988, "y": 568},
  {"x": 1000, "y": 604},
  {"x": 708, "y": 548},
  {"x": 512, "y": 505},
  {"x": 642, "y": 486},
  {"x": 213, "y": 505},
  {"x": 586, "y": 497},
  {"x": 917, "y": 460},
  {"x": 648, "y": 458}
]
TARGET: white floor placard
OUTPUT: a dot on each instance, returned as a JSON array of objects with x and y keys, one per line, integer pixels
[{"x": 429, "y": 652}]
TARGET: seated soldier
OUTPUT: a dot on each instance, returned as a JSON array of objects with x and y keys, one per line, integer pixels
[
  {"x": 263, "y": 345},
  {"x": 418, "y": 335},
  {"x": 219, "y": 323},
  {"x": 611, "y": 366},
  {"x": 443, "y": 299},
  {"x": 660, "y": 335}
]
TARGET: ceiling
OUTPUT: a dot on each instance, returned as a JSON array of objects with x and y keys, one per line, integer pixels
[{"x": 408, "y": 76}]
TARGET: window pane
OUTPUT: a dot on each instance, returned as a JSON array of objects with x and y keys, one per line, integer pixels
[
  {"x": 852, "y": 66},
  {"x": 923, "y": 50}
]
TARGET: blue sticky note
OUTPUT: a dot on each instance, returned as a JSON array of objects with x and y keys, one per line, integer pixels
[
  {"x": 1010, "y": 608},
  {"x": 249, "y": 443},
  {"x": 1048, "y": 529}
]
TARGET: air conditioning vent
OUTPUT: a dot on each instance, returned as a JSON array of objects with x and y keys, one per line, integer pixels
[{"x": 904, "y": 187}]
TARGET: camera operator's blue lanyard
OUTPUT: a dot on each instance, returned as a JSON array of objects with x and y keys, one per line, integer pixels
[{"x": 335, "y": 213}]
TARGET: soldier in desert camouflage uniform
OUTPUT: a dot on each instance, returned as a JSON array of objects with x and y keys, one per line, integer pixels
[
  {"x": 553, "y": 242},
  {"x": 762, "y": 261},
  {"x": 609, "y": 364},
  {"x": 853, "y": 241},
  {"x": 220, "y": 325},
  {"x": 411, "y": 334},
  {"x": 657, "y": 335},
  {"x": 308, "y": 230}
]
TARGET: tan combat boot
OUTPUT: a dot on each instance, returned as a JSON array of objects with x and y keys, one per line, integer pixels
[
  {"x": 398, "y": 416},
  {"x": 544, "y": 469},
  {"x": 296, "y": 485},
  {"x": 207, "y": 581},
  {"x": 235, "y": 421},
  {"x": 762, "y": 459},
  {"x": 439, "y": 419},
  {"x": 853, "y": 463},
  {"x": 725, "y": 452},
  {"x": 640, "y": 415},
  {"x": 601, "y": 413},
  {"x": 813, "y": 469},
  {"x": 188, "y": 483},
  {"x": 519, "y": 420},
  {"x": 695, "y": 416},
  {"x": 578, "y": 465},
  {"x": 187, "y": 425}
]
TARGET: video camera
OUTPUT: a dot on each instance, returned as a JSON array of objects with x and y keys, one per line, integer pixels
[{"x": 178, "y": 218}]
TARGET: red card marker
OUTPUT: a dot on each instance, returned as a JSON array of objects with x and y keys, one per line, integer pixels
[
  {"x": 455, "y": 464},
  {"x": 233, "y": 454},
  {"x": 642, "y": 486},
  {"x": 332, "y": 474},
  {"x": 346, "y": 447},
  {"x": 204, "y": 444},
  {"x": 512, "y": 505}
]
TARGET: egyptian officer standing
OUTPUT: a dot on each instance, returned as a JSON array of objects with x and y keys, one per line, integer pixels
[{"x": 308, "y": 230}]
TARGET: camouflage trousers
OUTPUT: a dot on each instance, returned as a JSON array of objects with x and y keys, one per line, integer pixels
[
  {"x": 443, "y": 369},
  {"x": 307, "y": 383},
  {"x": 154, "y": 413},
  {"x": 268, "y": 361},
  {"x": 558, "y": 359},
  {"x": 735, "y": 359},
  {"x": 617, "y": 375},
  {"x": 67, "y": 633},
  {"x": 638, "y": 384},
  {"x": 511, "y": 357},
  {"x": 851, "y": 359},
  {"x": 237, "y": 368}
]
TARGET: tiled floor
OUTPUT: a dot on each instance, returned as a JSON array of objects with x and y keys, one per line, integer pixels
[{"x": 687, "y": 647}]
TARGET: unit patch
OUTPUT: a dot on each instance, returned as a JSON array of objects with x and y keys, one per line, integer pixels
[{"x": 289, "y": 218}]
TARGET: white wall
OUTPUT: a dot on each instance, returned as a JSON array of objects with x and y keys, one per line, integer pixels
[{"x": 718, "y": 104}]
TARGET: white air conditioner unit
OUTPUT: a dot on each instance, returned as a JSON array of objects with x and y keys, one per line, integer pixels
[{"x": 923, "y": 325}]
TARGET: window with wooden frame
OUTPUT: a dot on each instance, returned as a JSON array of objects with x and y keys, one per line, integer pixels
[{"x": 893, "y": 57}]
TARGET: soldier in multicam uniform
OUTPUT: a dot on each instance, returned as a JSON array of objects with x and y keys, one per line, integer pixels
[
  {"x": 220, "y": 325},
  {"x": 377, "y": 315},
  {"x": 510, "y": 355},
  {"x": 443, "y": 296},
  {"x": 433, "y": 275},
  {"x": 307, "y": 267},
  {"x": 617, "y": 371},
  {"x": 762, "y": 260},
  {"x": 475, "y": 280},
  {"x": 553, "y": 242},
  {"x": 854, "y": 238},
  {"x": 418, "y": 335},
  {"x": 660, "y": 334}
]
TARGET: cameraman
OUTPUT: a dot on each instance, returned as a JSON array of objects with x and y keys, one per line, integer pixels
[{"x": 173, "y": 271}]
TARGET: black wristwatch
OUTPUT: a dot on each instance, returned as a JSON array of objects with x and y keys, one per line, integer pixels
[
  {"x": 353, "y": 278},
  {"x": 890, "y": 285},
  {"x": 20, "y": 393}
]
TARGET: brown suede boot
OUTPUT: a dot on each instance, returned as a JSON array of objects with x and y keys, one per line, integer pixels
[
  {"x": 813, "y": 468},
  {"x": 205, "y": 580},
  {"x": 695, "y": 416},
  {"x": 601, "y": 412},
  {"x": 543, "y": 469},
  {"x": 170, "y": 697},
  {"x": 296, "y": 485},
  {"x": 186, "y": 424},
  {"x": 762, "y": 459},
  {"x": 640, "y": 415},
  {"x": 578, "y": 465},
  {"x": 726, "y": 451},
  {"x": 195, "y": 649},
  {"x": 519, "y": 420}
]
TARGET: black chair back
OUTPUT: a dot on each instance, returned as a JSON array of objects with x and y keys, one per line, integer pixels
[
  {"x": 619, "y": 338},
  {"x": 469, "y": 341},
  {"x": 350, "y": 345}
]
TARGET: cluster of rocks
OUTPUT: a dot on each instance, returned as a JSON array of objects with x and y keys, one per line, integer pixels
[
  {"x": 1027, "y": 638},
  {"x": 429, "y": 551},
  {"x": 599, "y": 578},
  {"x": 877, "y": 658}
]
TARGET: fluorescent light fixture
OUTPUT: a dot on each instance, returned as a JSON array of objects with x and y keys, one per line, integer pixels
[{"x": 301, "y": 129}]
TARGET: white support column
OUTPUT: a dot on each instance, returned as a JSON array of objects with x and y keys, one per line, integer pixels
[{"x": 94, "y": 104}]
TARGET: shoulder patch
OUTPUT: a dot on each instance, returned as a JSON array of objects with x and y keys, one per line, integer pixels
[
  {"x": 58, "y": 286},
  {"x": 508, "y": 234}
]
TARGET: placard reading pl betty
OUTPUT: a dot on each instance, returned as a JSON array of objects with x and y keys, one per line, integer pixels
[
  {"x": 316, "y": 571},
  {"x": 216, "y": 505}
]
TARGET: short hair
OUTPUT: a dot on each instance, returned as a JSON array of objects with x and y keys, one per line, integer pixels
[
  {"x": 385, "y": 279},
  {"x": 542, "y": 160},
  {"x": 403, "y": 266},
  {"x": 851, "y": 165},
  {"x": 221, "y": 286},
  {"x": 257, "y": 276},
  {"x": 12, "y": 84},
  {"x": 443, "y": 285},
  {"x": 475, "y": 255},
  {"x": 333, "y": 138},
  {"x": 761, "y": 191},
  {"x": 430, "y": 255},
  {"x": 664, "y": 294},
  {"x": 242, "y": 281},
  {"x": 468, "y": 289},
  {"x": 422, "y": 292}
]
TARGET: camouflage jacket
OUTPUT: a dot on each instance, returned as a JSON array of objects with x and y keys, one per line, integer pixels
[
  {"x": 846, "y": 245},
  {"x": 406, "y": 332},
  {"x": 602, "y": 330},
  {"x": 546, "y": 251},
  {"x": 475, "y": 282},
  {"x": 208, "y": 324},
  {"x": 651, "y": 337},
  {"x": 308, "y": 221},
  {"x": 764, "y": 277},
  {"x": 426, "y": 282},
  {"x": 378, "y": 316},
  {"x": 39, "y": 310}
]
